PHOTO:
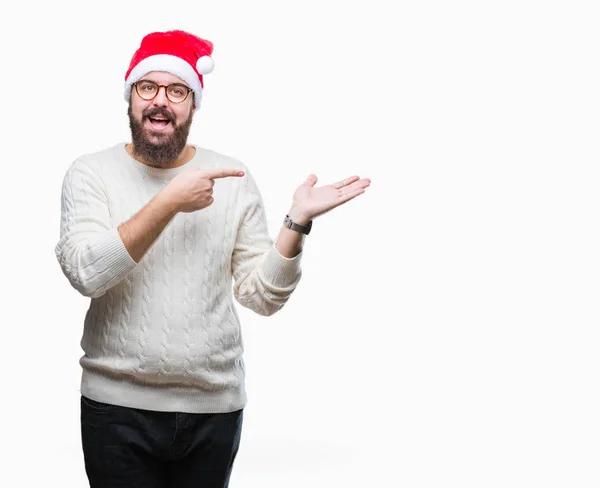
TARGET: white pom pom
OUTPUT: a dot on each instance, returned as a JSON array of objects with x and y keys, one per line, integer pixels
[{"x": 205, "y": 65}]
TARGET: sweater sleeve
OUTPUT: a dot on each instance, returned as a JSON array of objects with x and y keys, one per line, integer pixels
[
  {"x": 263, "y": 278},
  {"x": 90, "y": 252}
]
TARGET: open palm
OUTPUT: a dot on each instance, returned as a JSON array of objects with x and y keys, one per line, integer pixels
[{"x": 312, "y": 201}]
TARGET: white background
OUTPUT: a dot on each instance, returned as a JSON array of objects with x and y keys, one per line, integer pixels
[{"x": 445, "y": 332}]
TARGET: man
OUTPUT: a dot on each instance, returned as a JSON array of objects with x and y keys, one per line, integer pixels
[{"x": 158, "y": 232}]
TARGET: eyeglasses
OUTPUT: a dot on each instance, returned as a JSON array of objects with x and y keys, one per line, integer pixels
[{"x": 176, "y": 92}]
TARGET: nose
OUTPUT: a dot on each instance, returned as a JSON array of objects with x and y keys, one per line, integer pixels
[{"x": 161, "y": 99}]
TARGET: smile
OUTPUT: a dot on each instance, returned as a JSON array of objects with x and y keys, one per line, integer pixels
[{"x": 158, "y": 124}]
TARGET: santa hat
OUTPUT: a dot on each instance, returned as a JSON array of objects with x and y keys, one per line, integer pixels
[{"x": 176, "y": 52}]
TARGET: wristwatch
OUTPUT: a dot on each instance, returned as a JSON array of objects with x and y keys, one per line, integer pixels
[{"x": 290, "y": 224}]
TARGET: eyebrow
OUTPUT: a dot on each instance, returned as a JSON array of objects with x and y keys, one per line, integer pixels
[{"x": 176, "y": 83}]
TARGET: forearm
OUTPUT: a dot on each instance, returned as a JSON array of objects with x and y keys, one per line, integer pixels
[
  {"x": 265, "y": 275},
  {"x": 264, "y": 278},
  {"x": 289, "y": 242},
  {"x": 141, "y": 231}
]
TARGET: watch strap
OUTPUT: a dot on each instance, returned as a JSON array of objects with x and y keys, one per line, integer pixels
[{"x": 290, "y": 224}]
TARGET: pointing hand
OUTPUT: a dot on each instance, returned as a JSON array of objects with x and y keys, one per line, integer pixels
[{"x": 192, "y": 189}]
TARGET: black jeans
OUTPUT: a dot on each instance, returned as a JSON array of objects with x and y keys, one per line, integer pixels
[{"x": 128, "y": 448}]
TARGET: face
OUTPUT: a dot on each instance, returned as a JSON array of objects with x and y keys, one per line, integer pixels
[{"x": 159, "y": 127}]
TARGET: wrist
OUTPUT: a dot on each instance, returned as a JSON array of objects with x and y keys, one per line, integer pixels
[
  {"x": 298, "y": 216},
  {"x": 168, "y": 203},
  {"x": 296, "y": 226}
]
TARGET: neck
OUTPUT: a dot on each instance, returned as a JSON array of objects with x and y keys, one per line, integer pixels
[{"x": 186, "y": 155}]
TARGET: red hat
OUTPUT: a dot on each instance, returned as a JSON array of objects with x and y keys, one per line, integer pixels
[{"x": 177, "y": 52}]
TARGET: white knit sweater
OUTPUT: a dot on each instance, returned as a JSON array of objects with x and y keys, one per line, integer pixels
[{"x": 164, "y": 334}]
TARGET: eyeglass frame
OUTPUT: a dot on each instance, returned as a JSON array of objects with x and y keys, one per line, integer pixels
[{"x": 189, "y": 90}]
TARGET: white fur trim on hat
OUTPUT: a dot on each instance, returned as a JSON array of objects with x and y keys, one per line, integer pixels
[{"x": 170, "y": 64}]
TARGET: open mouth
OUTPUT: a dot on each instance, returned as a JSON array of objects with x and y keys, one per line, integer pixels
[{"x": 159, "y": 123}]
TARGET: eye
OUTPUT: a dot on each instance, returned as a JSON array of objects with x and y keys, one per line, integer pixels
[
  {"x": 177, "y": 91},
  {"x": 147, "y": 87}
]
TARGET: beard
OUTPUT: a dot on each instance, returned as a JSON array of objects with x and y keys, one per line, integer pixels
[{"x": 161, "y": 154}]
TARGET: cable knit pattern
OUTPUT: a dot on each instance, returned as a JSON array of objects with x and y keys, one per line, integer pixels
[
  {"x": 125, "y": 317},
  {"x": 225, "y": 270},
  {"x": 148, "y": 265},
  {"x": 189, "y": 245},
  {"x": 167, "y": 305},
  {"x": 163, "y": 334},
  {"x": 108, "y": 322},
  {"x": 206, "y": 281}
]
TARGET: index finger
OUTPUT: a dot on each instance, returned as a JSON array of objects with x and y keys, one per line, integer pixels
[{"x": 223, "y": 173}]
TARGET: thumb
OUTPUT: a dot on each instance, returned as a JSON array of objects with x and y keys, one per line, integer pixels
[{"x": 311, "y": 180}]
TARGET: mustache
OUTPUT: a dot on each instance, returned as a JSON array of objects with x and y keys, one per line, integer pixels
[{"x": 151, "y": 112}]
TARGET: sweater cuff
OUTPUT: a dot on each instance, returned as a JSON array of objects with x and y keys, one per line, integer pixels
[
  {"x": 280, "y": 271},
  {"x": 115, "y": 257}
]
